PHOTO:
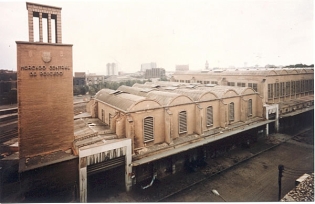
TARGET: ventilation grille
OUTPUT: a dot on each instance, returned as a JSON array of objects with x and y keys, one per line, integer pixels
[
  {"x": 148, "y": 129},
  {"x": 182, "y": 122}
]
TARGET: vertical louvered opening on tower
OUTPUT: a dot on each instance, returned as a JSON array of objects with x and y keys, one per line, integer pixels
[
  {"x": 182, "y": 122},
  {"x": 148, "y": 132}
]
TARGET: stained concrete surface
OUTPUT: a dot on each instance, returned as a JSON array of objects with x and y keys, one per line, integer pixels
[{"x": 255, "y": 179}]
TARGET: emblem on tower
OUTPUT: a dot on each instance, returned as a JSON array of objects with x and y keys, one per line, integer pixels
[{"x": 46, "y": 57}]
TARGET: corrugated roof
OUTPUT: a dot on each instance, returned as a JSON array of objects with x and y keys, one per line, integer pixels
[
  {"x": 193, "y": 93},
  {"x": 220, "y": 91},
  {"x": 250, "y": 71},
  {"x": 164, "y": 98},
  {"x": 135, "y": 90},
  {"x": 123, "y": 101}
]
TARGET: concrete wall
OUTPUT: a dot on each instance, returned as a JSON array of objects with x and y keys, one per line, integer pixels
[
  {"x": 45, "y": 96},
  {"x": 53, "y": 183},
  {"x": 130, "y": 124},
  {"x": 262, "y": 80}
]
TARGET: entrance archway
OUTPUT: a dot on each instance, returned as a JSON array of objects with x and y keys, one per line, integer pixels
[{"x": 111, "y": 154}]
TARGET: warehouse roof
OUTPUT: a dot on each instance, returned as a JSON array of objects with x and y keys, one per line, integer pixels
[
  {"x": 135, "y": 90},
  {"x": 240, "y": 71},
  {"x": 119, "y": 99},
  {"x": 166, "y": 98},
  {"x": 196, "y": 94}
]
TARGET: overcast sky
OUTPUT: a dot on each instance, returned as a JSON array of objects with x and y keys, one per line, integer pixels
[{"x": 169, "y": 32}]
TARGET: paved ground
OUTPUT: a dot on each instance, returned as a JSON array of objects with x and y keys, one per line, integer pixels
[{"x": 255, "y": 179}]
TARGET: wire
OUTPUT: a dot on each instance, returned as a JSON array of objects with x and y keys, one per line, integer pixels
[{"x": 290, "y": 172}]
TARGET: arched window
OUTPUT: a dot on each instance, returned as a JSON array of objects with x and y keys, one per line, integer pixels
[
  {"x": 209, "y": 116},
  {"x": 182, "y": 122},
  {"x": 231, "y": 111},
  {"x": 250, "y": 107},
  {"x": 148, "y": 132}
]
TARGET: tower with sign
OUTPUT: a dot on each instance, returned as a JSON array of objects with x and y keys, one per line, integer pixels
[{"x": 45, "y": 86}]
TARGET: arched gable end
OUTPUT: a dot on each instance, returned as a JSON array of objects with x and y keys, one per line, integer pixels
[
  {"x": 144, "y": 105},
  {"x": 248, "y": 91},
  {"x": 208, "y": 96},
  {"x": 229, "y": 93},
  {"x": 179, "y": 100}
]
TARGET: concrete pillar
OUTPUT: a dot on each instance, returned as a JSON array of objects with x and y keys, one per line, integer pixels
[
  {"x": 58, "y": 28},
  {"x": 267, "y": 125},
  {"x": 199, "y": 119},
  {"x": 30, "y": 26},
  {"x": 49, "y": 28},
  {"x": 168, "y": 126},
  {"x": 277, "y": 118},
  {"x": 128, "y": 172},
  {"x": 40, "y": 27},
  {"x": 83, "y": 184},
  {"x": 173, "y": 165}
]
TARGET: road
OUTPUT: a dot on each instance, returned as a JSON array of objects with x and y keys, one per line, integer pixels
[{"x": 255, "y": 180}]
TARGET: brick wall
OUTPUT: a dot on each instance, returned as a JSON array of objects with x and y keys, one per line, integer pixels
[{"x": 45, "y": 99}]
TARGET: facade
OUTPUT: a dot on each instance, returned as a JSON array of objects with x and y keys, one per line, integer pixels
[
  {"x": 92, "y": 79},
  {"x": 111, "y": 69},
  {"x": 44, "y": 68},
  {"x": 154, "y": 73},
  {"x": 79, "y": 79},
  {"x": 291, "y": 88},
  {"x": 8, "y": 84},
  {"x": 147, "y": 131},
  {"x": 184, "y": 67},
  {"x": 45, "y": 110},
  {"x": 164, "y": 119},
  {"x": 146, "y": 66}
]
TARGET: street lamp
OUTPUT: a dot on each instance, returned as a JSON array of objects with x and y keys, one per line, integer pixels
[{"x": 215, "y": 192}]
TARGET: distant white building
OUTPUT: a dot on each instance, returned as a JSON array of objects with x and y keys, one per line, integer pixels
[
  {"x": 92, "y": 78},
  {"x": 146, "y": 66},
  {"x": 111, "y": 69},
  {"x": 182, "y": 67}
]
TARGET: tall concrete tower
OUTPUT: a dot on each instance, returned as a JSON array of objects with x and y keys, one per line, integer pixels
[{"x": 45, "y": 88}]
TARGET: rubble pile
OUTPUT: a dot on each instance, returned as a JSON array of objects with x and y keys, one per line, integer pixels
[{"x": 302, "y": 192}]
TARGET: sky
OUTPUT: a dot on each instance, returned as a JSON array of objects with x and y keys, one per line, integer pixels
[{"x": 225, "y": 33}]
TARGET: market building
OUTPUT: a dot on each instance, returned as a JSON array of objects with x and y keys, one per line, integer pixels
[{"x": 134, "y": 133}]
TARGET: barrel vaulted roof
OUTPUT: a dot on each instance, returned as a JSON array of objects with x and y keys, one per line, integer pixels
[
  {"x": 253, "y": 72},
  {"x": 135, "y": 90},
  {"x": 166, "y": 98},
  {"x": 196, "y": 94},
  {"x": 119, "y": 99}
]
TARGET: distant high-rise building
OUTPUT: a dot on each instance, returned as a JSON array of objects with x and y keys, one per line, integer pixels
[
  {"x": 111, "y": 69},
  {"x": 154, "y": 73},
  {"x": 146, "y": 66},
  {"x": 184, "y": 67},
  {"x": 108, "y": 68},
  {"x": 207, "y": 65}
]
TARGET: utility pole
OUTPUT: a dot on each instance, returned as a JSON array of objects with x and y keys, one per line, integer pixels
[{"x": 280, "y": 168}]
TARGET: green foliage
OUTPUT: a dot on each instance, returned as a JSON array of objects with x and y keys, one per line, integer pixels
[
  {"x": 163, "y": 78},
  {"x": 80, "y": 89},
  {"x": 299, "y": 65},
  {"x": 94, "y": 88}
]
